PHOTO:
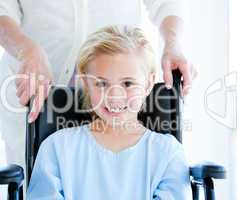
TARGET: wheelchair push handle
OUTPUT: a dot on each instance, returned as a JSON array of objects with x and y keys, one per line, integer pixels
[{"x": 176, "y": 77}]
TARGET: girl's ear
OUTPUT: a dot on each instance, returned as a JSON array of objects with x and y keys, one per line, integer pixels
[{"x": 150, "y": 82}]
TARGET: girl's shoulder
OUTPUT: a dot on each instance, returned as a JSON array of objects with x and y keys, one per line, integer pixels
[
  {"x": 162, "y": 137},
  {"x": 160, "y": 142},
  {"x": 65, "y": 136}
]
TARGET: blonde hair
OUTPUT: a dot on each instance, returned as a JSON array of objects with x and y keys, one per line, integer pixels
[
  {"x": 113, "y": 40},
  {"x": 117, "y": 39}
]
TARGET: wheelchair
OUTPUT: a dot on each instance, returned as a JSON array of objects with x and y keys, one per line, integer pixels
[{"x": 159, "y": 101}]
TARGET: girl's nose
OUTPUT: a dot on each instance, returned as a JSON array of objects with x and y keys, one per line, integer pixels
[
  {"x": 116, "y": 92},
  {"x": 115, "y": 96}
]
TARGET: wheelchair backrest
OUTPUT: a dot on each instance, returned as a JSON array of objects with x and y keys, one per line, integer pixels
[{"x": 62, "y": 109}]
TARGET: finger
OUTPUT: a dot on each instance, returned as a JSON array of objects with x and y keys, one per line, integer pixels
[
  {"x": 27, "y": 88},
  {"x": 24, "y": 98},
  {"x": 46, "y": 85},
  {"x": 21, "y": 76},
  {"x": 34, "y": 110},
  {"x": 167, "y": 73},
  {"x": 33, "y": 84},
  {"x": 20, "y": 89},
  {"x": 36, "y": 107},
  {"x": 38, "y": 103}
]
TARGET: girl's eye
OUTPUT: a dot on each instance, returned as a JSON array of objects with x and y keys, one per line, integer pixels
[
  {"x": 128, "y": 83},
  {"x": 101, "y": 84}
]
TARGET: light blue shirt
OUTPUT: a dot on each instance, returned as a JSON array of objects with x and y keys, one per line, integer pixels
[{"x": 71, "y": 165}]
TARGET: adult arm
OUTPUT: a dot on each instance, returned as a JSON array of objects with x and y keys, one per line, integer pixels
[
  {"x": 34, "y": 75},
  {"x": 169, "y": 17}
]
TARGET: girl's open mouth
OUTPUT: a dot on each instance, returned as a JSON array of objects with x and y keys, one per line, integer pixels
[{"x": 115, "y": 111}]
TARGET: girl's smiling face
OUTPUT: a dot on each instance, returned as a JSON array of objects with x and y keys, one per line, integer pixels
[{"x": 117, "y": 86}]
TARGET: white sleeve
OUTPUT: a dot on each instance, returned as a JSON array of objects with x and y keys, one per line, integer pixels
[
  {"x": 159, "y": 9},
  {"x": 11, "y": 8}
]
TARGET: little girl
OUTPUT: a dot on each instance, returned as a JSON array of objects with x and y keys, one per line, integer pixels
[{"x": 114, "y": 157}]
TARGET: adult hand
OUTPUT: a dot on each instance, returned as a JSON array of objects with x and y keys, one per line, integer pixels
[
  {"x": 35, "y": 78},
  {"x": 173, "y": 58}
]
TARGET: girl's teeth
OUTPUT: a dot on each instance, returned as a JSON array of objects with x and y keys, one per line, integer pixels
[{"x": 115, "y": 109}]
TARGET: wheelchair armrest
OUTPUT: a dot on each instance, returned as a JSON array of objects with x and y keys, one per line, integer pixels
[
  {"x": 207, "y": 170},
  {"x": 11, "y": 174}
]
